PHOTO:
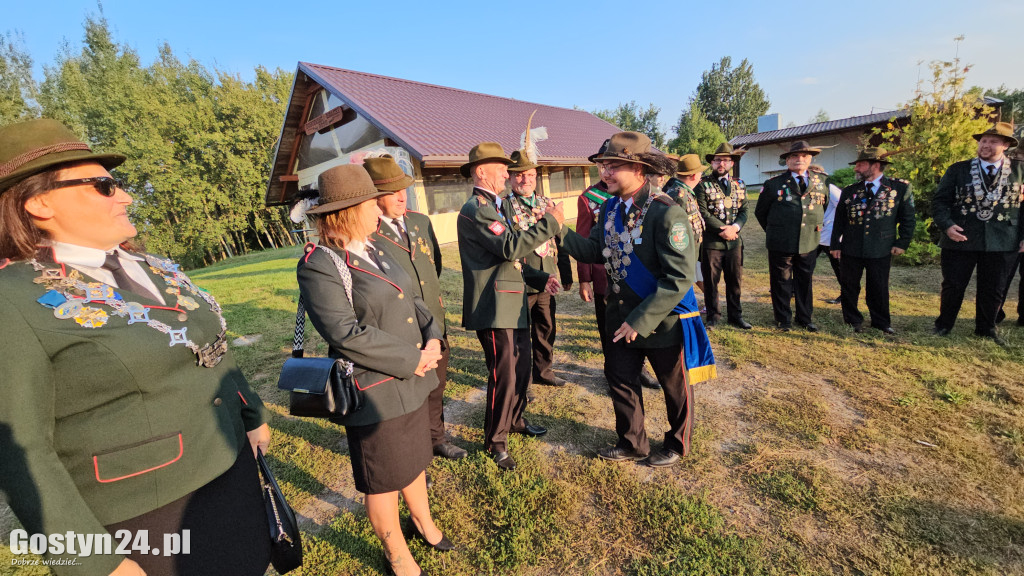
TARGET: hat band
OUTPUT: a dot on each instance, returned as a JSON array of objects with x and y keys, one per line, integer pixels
[
  {"x": 390, "y": 180},
  {"x": 19, "y": 161}
]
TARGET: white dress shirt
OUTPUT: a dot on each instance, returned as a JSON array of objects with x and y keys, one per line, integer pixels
[{"x": 89, "y": 261}]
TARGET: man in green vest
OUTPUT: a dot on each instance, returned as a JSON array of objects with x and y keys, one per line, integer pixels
[
  {"x": 874, "y": 221},
  {"x": 409, "y": 238},
  {"x": 791, "y": 209},
  {"x": 723, "y": 205},
  {"x": 494, "y": 302},
  {"x": 525, "y": 208},
  {"x": 977, "y": 206},
  {"x": 649, "y": 250}
]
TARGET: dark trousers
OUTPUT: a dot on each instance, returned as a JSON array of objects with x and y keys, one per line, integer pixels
[
  {"x": 876, "y": 289},
  {"x": 600, "y": 305},
  {"x": 714, "y": 265},
  {"x": 623, "y": 370},
  {"x": 507, "y": 354},
  {"x": 435, "y": 401},
  {"x": 1018, "y": 265},
  {"x": 789, "y": 275},
  {"x": 542, "y": 334},
  {"x": 993, "y": 270},
  {"x": 836, "y": 268}
]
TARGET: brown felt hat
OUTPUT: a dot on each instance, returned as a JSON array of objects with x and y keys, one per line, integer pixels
[
  {"x": 593, "y": 157},
  {"x": 725, "y": 149},
  {"x": 690, "y": 164},
  {"x": 627, "y": 147},
  {"x": 1004, "y": 129},
  {"x": 387, "y": 176},
  {"x": 28, "y": 148},
  {"x": 872, "y": 154},
  {"x": 521, "y": 162},
  {"x": 345, "y": 186},
  {"x": 800, "y": 146},
  {"x": 482, "y": 153}
]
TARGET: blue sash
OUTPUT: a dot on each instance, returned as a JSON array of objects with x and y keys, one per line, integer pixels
[{"x": 697, "y": 354}]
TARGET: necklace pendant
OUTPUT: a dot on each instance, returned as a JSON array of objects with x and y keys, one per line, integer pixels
[
  {"x": 607, "y": 252},
  {"x": 178, "y": 336},
  {"x": 636, "y": 232},
  {"x": 615, "y": 288},
  {"x": 626, "y": 260},
  {"x": 69, "y": 309}
]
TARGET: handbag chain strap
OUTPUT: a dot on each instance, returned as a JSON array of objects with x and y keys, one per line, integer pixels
[
  {"x": 300, "y": 313},
  {"x": 282, "y": 534}
]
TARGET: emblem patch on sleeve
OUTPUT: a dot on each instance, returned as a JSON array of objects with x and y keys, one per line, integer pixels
[
  {"x": 678, "y": 236},
  {"x": 497, "y": 228}
]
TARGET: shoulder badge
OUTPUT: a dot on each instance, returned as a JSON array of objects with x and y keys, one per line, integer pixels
[
  {"x": 480, "y": 201},
  {"x": 678, "y": 237},
  {"x": 740, "y": 182},
  {"x": 497, "y": 228}
]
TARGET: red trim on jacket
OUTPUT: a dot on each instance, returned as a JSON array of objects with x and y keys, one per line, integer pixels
[
  {"x": 244, "y": 401},
  {"x": 389, "y": 239},
  {"x": 348, "y": 260},
  {"x": 356, "y": 380},
  {"x": 96, "y": 464}
]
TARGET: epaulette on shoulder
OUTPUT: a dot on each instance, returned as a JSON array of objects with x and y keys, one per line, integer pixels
[
  {"x": 480, "y": 201},
  {"x": 663, "y": 198}
]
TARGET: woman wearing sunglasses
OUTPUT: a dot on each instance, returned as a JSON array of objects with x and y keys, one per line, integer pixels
[{"x": 122, "y": 412}]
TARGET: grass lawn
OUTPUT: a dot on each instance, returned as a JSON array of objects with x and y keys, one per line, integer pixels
[{"x": 828, "y": 453}]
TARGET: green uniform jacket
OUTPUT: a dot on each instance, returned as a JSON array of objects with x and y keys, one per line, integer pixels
[
  {"x": 667, "y": 249},
  {"x": 721, "y": 208},
  {"x": 493, "y": 276},
  {"x": 422, "y": 263},
  {"x": 867, "y": 227},
  {"x": 382, "y": 332},
  {"x": 555, "y": 261},
  {"x": 791, "y": 221},
  {"x": 954, "y": 202},
  {"x": 99, "y": 425}
]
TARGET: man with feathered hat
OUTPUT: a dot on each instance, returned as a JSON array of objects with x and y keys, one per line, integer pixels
[
  {"x": 977, "y": 206},
  {"x": 874, "y": 221},
  {"x": 526, "y": 207},
  {"x": 791, "y": 209}
]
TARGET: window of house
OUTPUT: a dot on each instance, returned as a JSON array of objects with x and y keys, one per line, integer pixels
[
  {"x": 446, "y": 190},
  {"x": 350, "y": 133}
]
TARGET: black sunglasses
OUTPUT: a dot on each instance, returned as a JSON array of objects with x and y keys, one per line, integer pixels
[{"x": 105, "y": 185}]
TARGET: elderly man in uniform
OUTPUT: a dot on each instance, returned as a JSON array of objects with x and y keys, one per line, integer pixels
[
  {"x": 791, "y": 209},
  {"x": 409, "y": 238},
  {"x": 874, "y": 221},
  {"x": 647, "y": 243},
  {"x": 526, "y": 208},
  {"x": 977, "y": 206},
  {"x": 723, "y": 204},
  {"x": 494, "y": 294}
]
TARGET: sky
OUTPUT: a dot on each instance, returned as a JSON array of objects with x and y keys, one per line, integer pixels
[{"x": 845, "y": 58}]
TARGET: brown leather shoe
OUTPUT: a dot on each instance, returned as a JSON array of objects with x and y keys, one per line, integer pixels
[{"x": 503, "y": 460}]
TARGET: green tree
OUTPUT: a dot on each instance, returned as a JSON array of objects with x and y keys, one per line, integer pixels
[
  {"x": 18, "y": 90},
  {"x": 695, "y": 134},
  {"x": 731, "y": 97},
  {"x": 631, "y": 117},
  {"x": 821, "y": 116},
  {"x": 943, "y": 118},
  {"x": 1013, "y": 107}
]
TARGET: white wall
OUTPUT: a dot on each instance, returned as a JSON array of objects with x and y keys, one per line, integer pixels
[{"x": 757, "y": 161}]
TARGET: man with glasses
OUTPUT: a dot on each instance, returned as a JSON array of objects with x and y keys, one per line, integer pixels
[
  {"x": 723, "y": 205},
  {"x": 494, "y": 294},
  {"x": 977, "y": 206},
  {"x": 648, "y": 246},
  {"x": 791, "y": 209}
]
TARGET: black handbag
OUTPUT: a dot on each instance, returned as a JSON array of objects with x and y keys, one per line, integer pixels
[
  {"x": 285, "y": 539},
  {"x": 320, "y": 387}
]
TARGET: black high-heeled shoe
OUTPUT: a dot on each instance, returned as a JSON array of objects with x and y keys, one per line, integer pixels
[{"x": 442, "y": 545}]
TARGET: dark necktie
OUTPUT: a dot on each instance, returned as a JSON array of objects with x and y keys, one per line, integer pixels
[
  {"x": 869, "y": 188},
  {"x": 371, "y": 252},
  {"x": 725, "y": 184},
  {"x": 991, "y": 174},
  {"x": 402, "y": 233},
  {"x": 113, "y": 264},
  {"x": 802, "y": 183}
]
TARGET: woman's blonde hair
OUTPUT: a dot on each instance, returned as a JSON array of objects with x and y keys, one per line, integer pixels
[{"x": 337, "y": 228}]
